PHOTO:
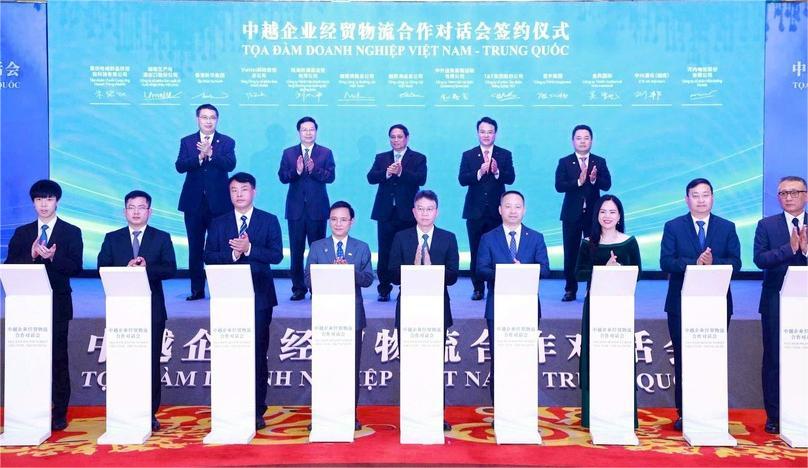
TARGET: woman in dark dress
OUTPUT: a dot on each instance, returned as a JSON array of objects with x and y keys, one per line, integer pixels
[{"x": 607, "y": 245}]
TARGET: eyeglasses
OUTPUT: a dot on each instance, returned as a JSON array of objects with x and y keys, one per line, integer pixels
[
  {"x": 791, "y": 193},
  {"x": 137, "y": 208},
  {"x": 428, "y": 209}
]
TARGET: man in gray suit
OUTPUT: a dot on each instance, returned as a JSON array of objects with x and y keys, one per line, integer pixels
[{"x": 338, "y": 248}]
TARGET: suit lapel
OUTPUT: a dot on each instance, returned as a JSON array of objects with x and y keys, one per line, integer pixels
[
  {"x": 350, "y": 244},
  {"x": 687, "y": 223},
  {"x": 146, "y": 241},
  {"x": 328, "y": 250},
  {"x": 523, "y": 245},
  {"x": 782, "y": 230}
]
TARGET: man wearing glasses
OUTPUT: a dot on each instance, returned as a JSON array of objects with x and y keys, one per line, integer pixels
[{"x": 781, "y": 240}]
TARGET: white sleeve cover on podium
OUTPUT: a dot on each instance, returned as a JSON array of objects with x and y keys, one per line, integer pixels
[
  {"x": 793, "y": 356},
  {"x": 421, "y": 354},
  {"x": 128, "y": 340},
  {"x": 516, "y": 351},
  {"x": 28, "y": 348},
  {"x": 704, "y": 356},
  {"x": 611, "y": 355},
  {"x": 333, "y": 370},
  {"x": 232, "y": 354}
]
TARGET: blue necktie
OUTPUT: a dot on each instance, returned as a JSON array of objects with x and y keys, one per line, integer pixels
[
  {"x": 424, "y": 246},
  {"x": 135, "y": 244},
  {"x": 43, "y": 238},
  {"x": 702, "y": 236},
  {"x": 243, "y": 227},
  {"x": 340, "y": 252},
  {"x": 512, "y": 244}
]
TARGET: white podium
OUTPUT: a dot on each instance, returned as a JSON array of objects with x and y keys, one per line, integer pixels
[
  {"x": 516, "y": 354},
  {"x": 793, "y": 356},
  {"x": 421, "y": 351},
  {"x": 333, "y": 370},
  {"x": 28, "y": 354},
  {"x": 128, "y": 341},
  {"x": 704, "y": 355},
  {"x": 232, "y": 354},
  {"x": 611, "y": 355}
]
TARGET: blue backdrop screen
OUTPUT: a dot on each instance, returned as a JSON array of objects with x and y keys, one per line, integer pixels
[{"x": 673, "y": 91}]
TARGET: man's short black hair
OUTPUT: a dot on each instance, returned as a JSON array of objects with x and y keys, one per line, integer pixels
[
  {"x": 428, "y": 194},
  {"x": 696, "y": 182},
  {"x": 792, "y": 178},
  {"x": 582, "y": 127},
  {"x": 306, "y": 119},
  {"x": 400, "y": 127},
  {"x": 209, "y": 107},
  {"x": 137, "y": 194},
  {"x": 489, "y": 121},
  {"x": 512, "y": 192},
  {"x": 243, "y": 178},
  {"x": 45, "y": 188},
  {"x": 342, "y": 204}
]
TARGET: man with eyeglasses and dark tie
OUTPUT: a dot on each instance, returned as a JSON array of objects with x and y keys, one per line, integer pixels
[
  {"x": 141, "y": 245},
  {"x": 781, "y": 241},
  {"x": 205, "y": 157},
  {"x": 399, "y": 174},
  {"x": 697, "y": 238},
  {"x": 307, "y": 167}
]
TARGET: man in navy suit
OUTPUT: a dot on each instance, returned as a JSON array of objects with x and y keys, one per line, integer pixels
[
  {"x": 781, "y": 241},
  {"x": 580, "y": 176},
  {"x": 249, "y": 236},
  {"x": 697, "y": 238},
  {"x": 511, "y": 242},
  {"x": 486, "y": 170},
  {"x": 341, "y": 249},
  {"x": 306, "y": 167},
  {"x": 205, "y": 158},
  {"x": 57, "y": 244},
  {"x": 426, "y": 244},
  {"x": 399, "y": 174},
  {"x": 140, "y": 245}
]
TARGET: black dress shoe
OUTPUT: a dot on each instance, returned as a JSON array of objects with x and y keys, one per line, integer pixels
[
  {"x": 196, "y": 296},
  {"x": 446, "y": 426},
  {"x": 259, "y": 423},
  {"x": 59, "y": 424},
  {"x": 477, "y": 296},
  {"x": 678, "y": 424},
  {"x": 568, "y": 296},
  {"x": 155, "y": 424},
  {"x": 384, "y": 297},
  {"x": 298, "y": 296},
  {"x": 772, "y": 427}
]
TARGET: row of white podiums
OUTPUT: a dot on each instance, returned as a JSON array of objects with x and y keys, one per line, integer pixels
[{"x": 128, "y": 334}]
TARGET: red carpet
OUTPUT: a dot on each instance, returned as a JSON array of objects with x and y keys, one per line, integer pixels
[{"x": 471, "y": 442}]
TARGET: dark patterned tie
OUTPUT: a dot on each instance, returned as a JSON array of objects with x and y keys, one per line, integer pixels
[
  {"x": 424, "y": 247},
  {"x": 340, "y": 252},
  {"x": 135, "y": 244},
  {"x": 243, "y": 228},
  {"x": 702, "y": 236},
  {"x": 43, "y": 238},
  {"x": 512, "y": 244}
]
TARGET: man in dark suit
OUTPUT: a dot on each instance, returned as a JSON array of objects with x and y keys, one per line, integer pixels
[
  {"x": 52, "y": 242},
  {"x": 249, "y": 236},
  {"x": 486, "y": 170},
  {"x": 399, "y": 173},
  {"x": 781, "y": 241},
  {"x": 341, "y": 249},
  {"x": 426, "y": 244},
  {"x": 140, "y": 245},
  {"x": 511, "y": 242},
  {"x": 306, "y": 167},
  {"x": 580, "y": 176},
  {"x": 697, "y": 238},
  {"x": 205, "y": 158}
]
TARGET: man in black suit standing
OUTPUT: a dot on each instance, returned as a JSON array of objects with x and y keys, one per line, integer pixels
[
  {"x": 426, "y": 244},
  {"x": 205, "y": 157},
  {"x": 399, "y": 174},
  {"x": 52, "y": 242},
  {"x": 140, "y": 245},
  {"x": 486, "y": 170},
  {"x": 250, "y": 236},
  {"x": 306, "y": 167},
  {"x": 580, "y": 176},
  {"x": 781, "y": 241}
]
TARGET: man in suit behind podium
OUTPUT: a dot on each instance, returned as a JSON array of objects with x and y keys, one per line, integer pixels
[
  {"x": 781, "y": 241},
  {"x": 205, "y": 157},
  {"x": 697, "y": 238},
  {"x": 141, "y": 245},
  {"x": 486, "y": 170},
  {"x": 338, "y": 248},
  {"x": 57, "y": 244},
  {"x": 249, "y": 236},
  {"x": 580, "y": 176},
  {"x": 307, "y": 167},
  {"x": 509, "y": 243},
  {"x": 399, "y": 174}
]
